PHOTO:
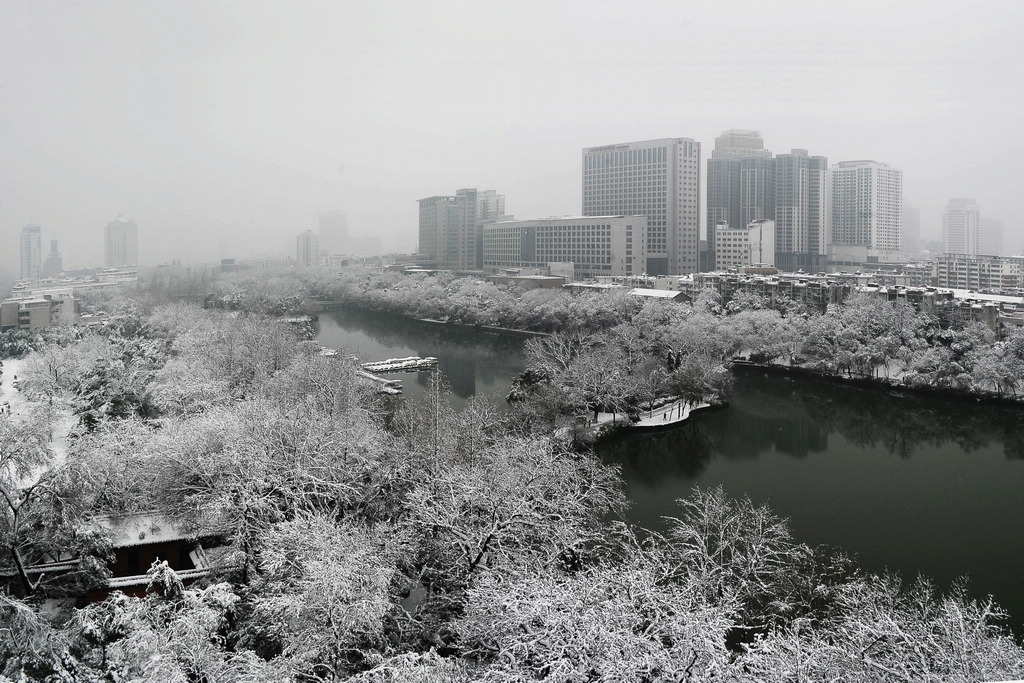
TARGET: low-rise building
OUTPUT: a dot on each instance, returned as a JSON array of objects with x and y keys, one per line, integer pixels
[
  {"x": 979, "y": 272},
  {"x": 30, "y": 311},
  {"x": 595, "y": 245},
  {"x": 738, "y": 247}
]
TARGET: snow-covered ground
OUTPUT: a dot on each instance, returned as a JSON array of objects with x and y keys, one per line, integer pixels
[
  {"x": 672, "y": 413},
  {"x": 62, "y": 421},
  {"x": 9, "y": 396}
]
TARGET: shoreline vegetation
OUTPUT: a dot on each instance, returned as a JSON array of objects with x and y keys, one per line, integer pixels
[{"x": 377, "y": 540}]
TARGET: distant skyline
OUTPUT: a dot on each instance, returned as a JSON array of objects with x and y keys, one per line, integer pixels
[{"x": 225, "y": 123}]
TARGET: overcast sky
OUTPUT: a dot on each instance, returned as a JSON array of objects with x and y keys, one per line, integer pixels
[{"x": 236, "y": 124}]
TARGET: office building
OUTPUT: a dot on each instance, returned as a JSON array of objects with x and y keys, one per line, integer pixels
[
  {"x": 451, "y": 227},
  {"x": 753, "y": 245},
  {"x": 656, "y": 179},
  {"x": 961, "y": 227},
  {"x": 801, "y": 211},
  {"x": 307, "y": 249},
  {"x": 595, "y": 245},
  {"x": 31, "y": 252},
  {"x": 740, "y": 187},
  {"x": 121, "y": 243},
  {"x": 437, "y": 225},
  {"x": 35, "y": 310},
  {"x": 867, "y": 213}
]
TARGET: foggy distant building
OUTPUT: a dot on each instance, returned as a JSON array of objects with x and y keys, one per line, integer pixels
[
  {"x": 307, "y": 249},
  {"x": 334, "y": 232},
  {"x": 867, "y": 213},
  {"x": 53, "y": 265},
  {"x": 121, "y": 244},
  {"x": 990, "y": 236},
  {"x": 801, "y": 211},
  {"x": 751, "y": 245},
  {"x": 31, "y": 252},
  {"x": 595, "y": 245},
  {"x": 961, "y": 226},
  {"x": 911, "y": 230},
  {"x": 657, "y": 179},
  {"x": 438, "y": 219},
  {"x": 451, "y": 227}
]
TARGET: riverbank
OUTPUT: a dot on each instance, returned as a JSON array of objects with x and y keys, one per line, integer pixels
[
  {"x": 670, "y": 415},
  {"x": 877, "y": 383},
  {"x": 482, "y": 328}
]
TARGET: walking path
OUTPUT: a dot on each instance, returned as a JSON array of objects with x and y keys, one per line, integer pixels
[
  {"x": 14, "y": 402},
  {"x": 672, "y": 413}
]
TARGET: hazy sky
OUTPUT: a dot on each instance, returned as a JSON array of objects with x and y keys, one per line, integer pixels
[{"x": 212, "y": 122}]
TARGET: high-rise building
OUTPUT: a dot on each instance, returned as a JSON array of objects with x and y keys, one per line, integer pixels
[
  {"x": 451, "y": 227},
  {"x": 801, "y": 211},
  {"x": 307, "y": 249},
  {"x": 31, "y": 252},
  {"x": 657, "y": 179},
  {"x": 867, "y": 212},
  {"x": 961, "y": 224},
  {"x": 740, "y": 184},
  {"x": 437, "y": 226},
  {"x": 54, "y": 264},
  {"x": 121, "y": 243}
]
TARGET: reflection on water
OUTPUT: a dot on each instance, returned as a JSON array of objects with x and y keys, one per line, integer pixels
[
  {"x": 474, "y": 363},
  {"x": 913, "y": 484},
  {"x": 909, "y": 483}
]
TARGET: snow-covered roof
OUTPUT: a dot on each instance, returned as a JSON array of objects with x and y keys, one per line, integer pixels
[
  {"x": 655, "y": 293},
  {"x": 142, "y": 529}
]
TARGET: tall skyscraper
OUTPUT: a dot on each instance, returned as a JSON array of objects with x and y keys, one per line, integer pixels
[
  {"x": 867, "y": 208},
  {"x": 451, "y": 227},
  {"x": 307, "y": 249},
  {"x": 801, "y": 211},
  {"x": 121, "y": 243},
  {"x": 437, "y": 225},
  {"x": 657, "y": 179},
  {"x": 53, "y": 265},
  {"x": 31, "y": 252},
  {"x": 740, "y": 184},
  {"x": 961, "y": 223}
]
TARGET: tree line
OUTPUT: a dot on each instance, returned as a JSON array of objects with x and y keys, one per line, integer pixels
[{"x": 373, "y": 540}]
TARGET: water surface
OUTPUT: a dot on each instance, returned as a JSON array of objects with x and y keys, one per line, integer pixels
[{"x": 908, "y": 483}]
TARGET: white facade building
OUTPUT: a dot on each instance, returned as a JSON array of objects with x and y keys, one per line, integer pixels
[
  {"x": 961, "y": 227},
  {"x": 31, "y": 252},
  {"x": 749, "y": 246},
  {"x": 801, "y": 211},
  {"x": 595, "y": 245},
  {"x": 451, "y": 227},
  {"x": 979, "y": 273},
  {"x": 867, "y": 207},
  {"x": 307, "y": 249},
  {"x": 657, "y": 179}
]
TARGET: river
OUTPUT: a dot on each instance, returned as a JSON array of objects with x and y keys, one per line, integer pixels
[{"x": 908, "y": 483}]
